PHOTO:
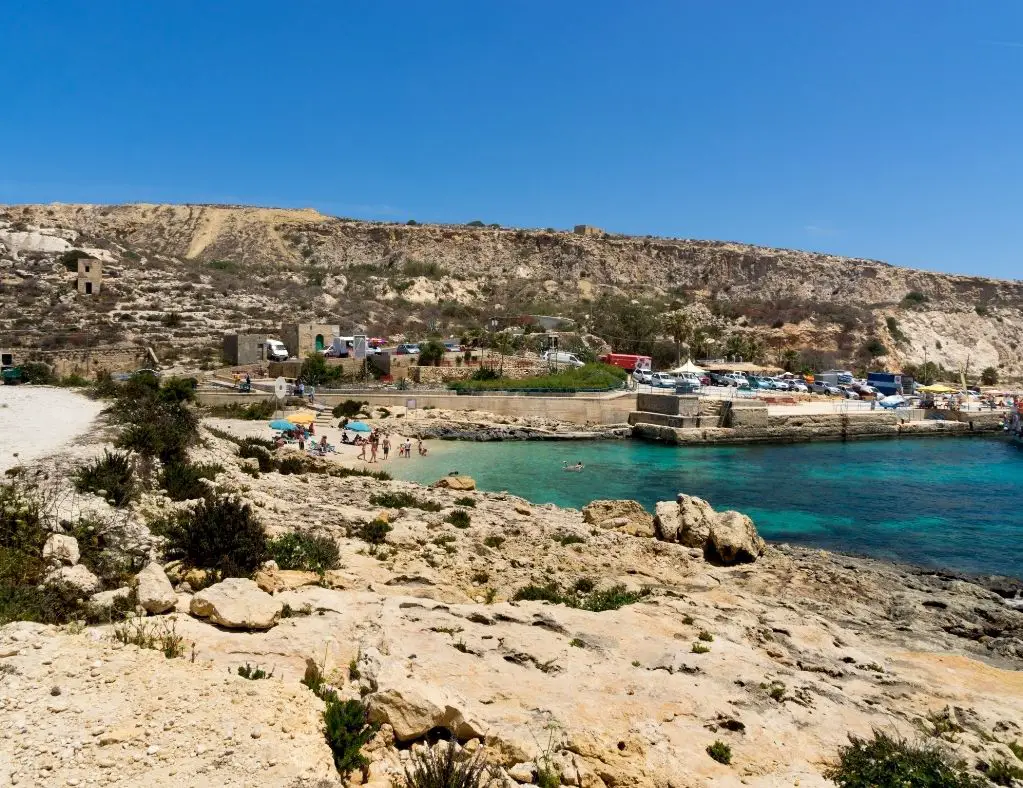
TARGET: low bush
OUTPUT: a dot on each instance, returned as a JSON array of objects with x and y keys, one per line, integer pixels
[
  {"x": 403, "y": 500},
  {"x": 886, "y": 762},
  {"x": 304, "y": 551},
  {"x": 459, "y": 518},
  {"x": 566, "y": 539},
  {"x": 183, "y": 481},
  {"x": 292, "y": 464},
  {"x": 1001, "y": 772},
  {"x": 254, "y": 448},
  {"x": 590, "y": 377},
  {"x": 550, "y": 592},
  {"x": 113, "y": 474},
  {"x": 466, "y": 501},
  {"x": 494, "y": 541},
  {"x": 583, "y": 585},
  {"x": 611, "y": 599},
  {"x": 374, "y": 532},
  {"x": 220, "y": 534},
  {"x": 256, "y": 673},
  {"x": 914, "y": 298},
  {"x": 442, "y": 767},
  {"x": 158, "y": 634},
  {"x": 700, "y": 648},
  {"x": 256, "y": 411},
  {"x": 347, "y": 729},
  {"x": 348, "y": 409},
  {"x": 705, "y": 636},
  {"x": 720, "y": 752},
  {"x": 341, "y": 472}
]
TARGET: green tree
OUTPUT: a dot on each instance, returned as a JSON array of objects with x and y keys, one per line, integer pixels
[
  {"x": 926, "y": 373},
  {"x": 629, "y": 327},
  {"x": 874, "y": 347},
  {"x": 316, "y": 371},
  {"x": 679, "y": 326},
  {"x": 989, "y": 377},
  {"x": 430, "y": 353},
  {"x": 789, "y": 359}
]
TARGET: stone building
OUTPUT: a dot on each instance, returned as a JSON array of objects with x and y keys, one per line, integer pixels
[
  {"x": 587, "y": 229},
  {"x": 302, "y": 339},
  {"x": 90, "y": 276},
  {"x": 242, "y": 349}
]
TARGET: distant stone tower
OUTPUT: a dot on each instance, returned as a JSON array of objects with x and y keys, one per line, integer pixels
[{"x": 90, "y": 276}]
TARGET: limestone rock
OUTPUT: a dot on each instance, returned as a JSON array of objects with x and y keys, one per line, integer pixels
[
  {"x": 60, "y": 548},
  {"x": 667, "y": 520},
  {"x": 273, "y": 580},
  {"x": 625, "y": 516},
  {"x": 734, "y": 539},
  {"x": 237, "y": 603},
  {"x": 104, "y": 600},
  {"x": 413, "y": 708},
  {"x": 154, "y": 590},
  {"x": 77, "y": 576},
  {"x": 456, "y": 483},
  {"x": 695, "y": 519}
]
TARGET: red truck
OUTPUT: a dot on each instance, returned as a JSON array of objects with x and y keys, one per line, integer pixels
[{"x": 626, "y": 361}]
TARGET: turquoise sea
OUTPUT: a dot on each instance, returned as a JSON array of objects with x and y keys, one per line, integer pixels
[{"x": 952, "y": 503}]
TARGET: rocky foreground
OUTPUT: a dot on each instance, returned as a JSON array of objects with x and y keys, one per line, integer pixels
[{"x": 778, "y": 652}]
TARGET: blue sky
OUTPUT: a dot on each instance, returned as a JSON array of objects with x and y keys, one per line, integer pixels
[{"x": 874, "y": 129}]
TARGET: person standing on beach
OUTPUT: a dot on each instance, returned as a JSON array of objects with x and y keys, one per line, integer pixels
[
  {"x": 386, "y": 445},
  {"x": 374, "y": 441},
  {"x": 362, "y": 451}
]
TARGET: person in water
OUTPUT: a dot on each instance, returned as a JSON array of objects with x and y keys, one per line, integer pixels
[{"x": 577, "y": 467}]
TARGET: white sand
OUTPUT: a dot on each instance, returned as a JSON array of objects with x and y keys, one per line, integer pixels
[{"x": 37, "y": 421}]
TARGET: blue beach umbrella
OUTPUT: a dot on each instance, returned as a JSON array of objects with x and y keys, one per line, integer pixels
[
  {"x": 281, "y": 424},
  {"x": 358, "y": 426}
]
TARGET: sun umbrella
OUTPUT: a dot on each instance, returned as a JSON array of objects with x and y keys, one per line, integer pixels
[
  {"x": 281, "y": 424},
  {"x": 937, "y": 388},
  {"x": 302, "y": 417},
  {"x": 358, "y": 426}
]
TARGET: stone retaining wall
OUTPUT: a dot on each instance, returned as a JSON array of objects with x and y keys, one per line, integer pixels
[{"x": 89, "y": 362}]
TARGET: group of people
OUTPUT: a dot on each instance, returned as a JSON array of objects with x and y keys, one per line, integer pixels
[{"x": 381, "y": 442}]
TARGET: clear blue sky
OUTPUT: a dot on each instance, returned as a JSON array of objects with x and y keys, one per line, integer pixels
[{"x": 883, "y": 129}]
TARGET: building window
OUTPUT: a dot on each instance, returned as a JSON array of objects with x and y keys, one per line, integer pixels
[{"x": 86, "y": 269}]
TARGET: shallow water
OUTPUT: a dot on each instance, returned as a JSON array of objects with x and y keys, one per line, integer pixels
[{"x": 953, "y": 503}]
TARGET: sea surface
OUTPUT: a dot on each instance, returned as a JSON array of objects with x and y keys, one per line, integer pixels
[{"x": 949, "y": 503}]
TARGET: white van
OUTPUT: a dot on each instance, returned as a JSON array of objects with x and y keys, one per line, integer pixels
[
  {"x": 562, "y": 359},
  {"x": 276, "y": 351}
]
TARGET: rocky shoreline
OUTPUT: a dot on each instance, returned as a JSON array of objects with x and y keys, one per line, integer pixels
[{"x": 660, "y": 634}]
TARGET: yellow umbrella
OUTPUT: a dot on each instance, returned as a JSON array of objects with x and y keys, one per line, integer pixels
[
  {"x": 937, "y": 388},
  {"x": 302, "y": 417}
]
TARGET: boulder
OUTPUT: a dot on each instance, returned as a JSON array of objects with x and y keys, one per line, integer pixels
[
  {"x": 237, "y": 603},
  {"x": 61, "y": 549},
  {"x": 625, "y": 516},
  {"x": 104, "y": 600},
  {"x": 734, "y": 539},
  {"x": 76, "y": 576},
  {"x": 667, "y": 520},
  {"x": 695, "y": 519},
  {"x": 272, "y": 580},
  {"x": 456, "y": 483},
  {"x": 413, "y": 708},
  {"x": 154, "y": 590}
]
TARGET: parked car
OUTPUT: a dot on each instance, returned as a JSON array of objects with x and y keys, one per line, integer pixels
[
  {"x": 820, "y": 387},
  {"x": 736, "y": 379},
  {"x": 848, "y": 393},
  {"x": 642, "y": 376},
  {"x": 704, "y": 380},
  {"x": 662, "y": 380},
  {"x": 689, "y": 381},
  {"x": 798, "y": 386},
  {"x": 451, "y": 346},
  {"x": 407, "y": 349}
]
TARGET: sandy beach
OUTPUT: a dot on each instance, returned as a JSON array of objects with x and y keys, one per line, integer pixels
[{"x": 36, "y": 421}]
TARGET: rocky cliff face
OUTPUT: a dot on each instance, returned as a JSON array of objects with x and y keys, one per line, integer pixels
[{"x": 382, "y": 275}]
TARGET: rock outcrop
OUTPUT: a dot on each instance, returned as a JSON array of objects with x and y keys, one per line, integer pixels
[
  {"x": 154, "y": 590},
  {"x": 725, "y": 537},
  {"x": 237, "y": 603},
  {"x": 457, "y": 482},
  {"x": 63, "y": 549},
  {"x": 626, "y": 516},
  {"x": 77, "y": 577}
]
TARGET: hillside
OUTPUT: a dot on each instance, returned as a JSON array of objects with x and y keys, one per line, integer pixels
[{"x": 218, "y": 268}]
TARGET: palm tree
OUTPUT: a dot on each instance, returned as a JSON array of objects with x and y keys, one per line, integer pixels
[{"x": 679, "y": 326}]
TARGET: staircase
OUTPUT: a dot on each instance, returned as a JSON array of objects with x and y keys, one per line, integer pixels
[{"x": 325, "y": 418}]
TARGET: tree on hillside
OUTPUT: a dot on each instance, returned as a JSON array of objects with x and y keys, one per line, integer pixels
[
  {"x": 679, "y": 326},
  {"x": 627, "y": 326},
  {"x": 430, "y": 353},
  {"x": 789, "y": 359},
  {"x": 874, "y": 347},
  {"x": 989, "y": 377},
  {"x": 926, "y": 373}
]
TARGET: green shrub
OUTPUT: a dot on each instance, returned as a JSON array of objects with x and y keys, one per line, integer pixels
[
  {"x": 465, "y": 501},
  {"x": 590, "y": 377},
  {"x": 429, "y": 768},
  {"x": 347, "y": 729},
  {"x": 567, "y": 539},
  {"x": 37, "y": 372},
  {"x": 494, "y": 541},
  {"x": 989, "y": 377},
  {"x": 705, "y": 636},
  {"x": 459, "y": 518},
  {"x": 914, "y": 298},
  {"x": 220, "y": 534},
  {"x": 374, "y": 532},
  {"x": 583, "y": 585},
  {"x": 982, "y": 310},
  {"x": 485, "y": 373},
  {"x": 341, "y": 472},
  {"x": 246, "y": 671},
  {"x": 183, "y": 481},
  {"x": 159, "y": 634},
  {"x": 1001, "y": 772},
  {"x": 154, "y": 427},
  {"x": 304, "y": 551},
  {"x": 291, "y": 464},
  {"x": 348, "y": 409},
  {"x": 720, "y": 752},
  {"x": 611, "y": 599},
  {"x": 113, "y": 474},
  {"x": 549, "y": 592},
  {"x": 699, "y": 648},
  {"x": 884, "y": 762},
  {"x": 255, "y": 448},
  {"x": 431, "y": 353},
  {"x": 255, "y": 411},
  {"x": 403, "y": 500},
  {"x": 178, "y": 390},
  {"x": 316, "y": 371},
  {"x": 73, "y": 381}
]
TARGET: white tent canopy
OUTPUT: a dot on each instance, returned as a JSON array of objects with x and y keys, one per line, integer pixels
[{"x": 689, "y": 366}]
